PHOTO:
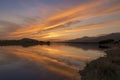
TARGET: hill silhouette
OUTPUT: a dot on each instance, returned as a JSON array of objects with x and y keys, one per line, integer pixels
[
  {"x": 114, "y": 36},
  {"x": 25, "y": 42}
]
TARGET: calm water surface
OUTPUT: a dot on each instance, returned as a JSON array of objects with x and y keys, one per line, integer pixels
[{"x": 54, "y": 62}]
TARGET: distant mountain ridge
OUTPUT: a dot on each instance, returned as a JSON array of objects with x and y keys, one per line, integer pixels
[{"x": 115, "y": 36}]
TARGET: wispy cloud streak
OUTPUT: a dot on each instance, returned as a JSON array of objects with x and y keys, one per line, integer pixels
[{"x": 67, "y": 21}]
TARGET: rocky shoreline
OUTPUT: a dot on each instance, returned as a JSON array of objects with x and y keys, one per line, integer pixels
[{"x": 104, "y": 68}]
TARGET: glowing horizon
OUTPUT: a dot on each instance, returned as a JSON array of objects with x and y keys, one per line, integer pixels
[{"x": 70, "y": 19}]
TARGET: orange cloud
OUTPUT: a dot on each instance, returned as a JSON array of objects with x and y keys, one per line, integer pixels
[
  {"x": 57, "y": 21},
  {"x": 61, "y": 33}
]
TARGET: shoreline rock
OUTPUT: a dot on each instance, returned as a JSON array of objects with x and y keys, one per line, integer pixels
[{"x": 104, "y": 68}]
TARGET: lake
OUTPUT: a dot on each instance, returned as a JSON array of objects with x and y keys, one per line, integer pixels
[{"x": 53, "y": 62}]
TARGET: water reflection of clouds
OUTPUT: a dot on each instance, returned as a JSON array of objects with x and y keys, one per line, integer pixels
[{"x": 59, "y": 59}]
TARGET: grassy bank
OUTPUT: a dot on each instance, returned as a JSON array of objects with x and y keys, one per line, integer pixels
[{"x": 104, "y": 68}]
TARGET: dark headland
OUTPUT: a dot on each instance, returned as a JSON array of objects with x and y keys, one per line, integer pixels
[{"x": 25, "y": 42}]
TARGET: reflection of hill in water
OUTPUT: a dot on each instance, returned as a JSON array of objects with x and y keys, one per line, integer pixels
[
  {"x": 84, "y": 46},
  {"x": 62, "y": 60}
]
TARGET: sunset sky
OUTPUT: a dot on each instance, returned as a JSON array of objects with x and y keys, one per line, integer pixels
[{"x": 58, "y": 20}]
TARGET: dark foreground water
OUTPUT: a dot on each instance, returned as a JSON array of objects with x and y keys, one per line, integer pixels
[{"x": 54, "y": 62}]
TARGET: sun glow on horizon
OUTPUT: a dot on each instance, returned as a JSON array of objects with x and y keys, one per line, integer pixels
[{"x": 75, "y": 22}]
